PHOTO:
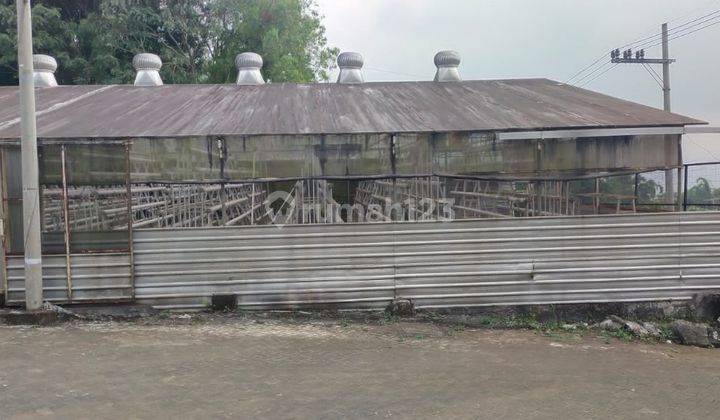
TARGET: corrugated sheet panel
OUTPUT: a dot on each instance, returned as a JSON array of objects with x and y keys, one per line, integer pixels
[
  {"x": 267, "y": 267},
  {"x": 95, "y": 278},
  {"x": 324, "y": 108},
  {"x": 560, "y": 260},
  {"x": 437, "y": 265}
]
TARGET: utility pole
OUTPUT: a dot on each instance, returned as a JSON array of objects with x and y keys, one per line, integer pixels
[
  {"x": 666, "y": 67},
  {"x": 627, "y": 58},
  {"x": 28, "y": 150}
]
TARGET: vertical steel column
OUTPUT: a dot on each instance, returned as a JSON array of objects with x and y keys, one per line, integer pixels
[
  {"x": 128, "y": 195},
  {"x": 680, "y": 197},
  {"x": 66, "y": 216},
  {"x": 252, "y": 205},
  {"x": 3, "y": 221},
  {"x": 28, "y": 129},
  {"x": 685, "y": 189}
]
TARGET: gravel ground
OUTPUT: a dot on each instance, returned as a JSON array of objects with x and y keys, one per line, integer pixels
[{"x": 254, "y": 367}]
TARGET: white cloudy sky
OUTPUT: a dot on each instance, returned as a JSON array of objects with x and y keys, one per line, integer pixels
[{"x": 539, "y": 38}]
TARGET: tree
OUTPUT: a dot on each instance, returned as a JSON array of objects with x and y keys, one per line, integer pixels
[
  {"x": 289, "y": 33},
  {"x": 700, "y": 193},
  {"x": 51, "y": 34},
  {"x": 95, "y": 40}
]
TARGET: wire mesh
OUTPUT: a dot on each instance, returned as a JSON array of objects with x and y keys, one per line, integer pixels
[{"x": 702, "y": 187}]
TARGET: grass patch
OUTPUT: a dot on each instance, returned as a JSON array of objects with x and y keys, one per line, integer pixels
[
  {"x": 527, "y": 321},
  {"x": 621, "y": 334},
  {"x": 389, "y": 318},
  {"x": 455, "y": 329}
]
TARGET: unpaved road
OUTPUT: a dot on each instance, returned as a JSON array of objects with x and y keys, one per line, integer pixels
[{"x": 245, "y": 368}]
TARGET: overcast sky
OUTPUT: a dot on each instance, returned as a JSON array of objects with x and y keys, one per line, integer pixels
[{"x": 533, "y": 38}]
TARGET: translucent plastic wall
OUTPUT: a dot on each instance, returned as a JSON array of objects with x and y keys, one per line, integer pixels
[{"x": 95, "y": 191}]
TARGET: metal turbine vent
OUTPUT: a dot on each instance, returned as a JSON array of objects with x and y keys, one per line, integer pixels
[
  {"x": 350, "y": 64},
  {"x": 447, "y": 63},
  {"x": 248, "y": 65},
  {"x": 44, "y": 67},
  {"x": 148, "y": 69}
]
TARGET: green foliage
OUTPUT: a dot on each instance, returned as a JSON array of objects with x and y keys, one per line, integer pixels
[
  {"x": 703, "y": 193},
  {"x": 621, "y": 334},
  {"x": 389, "y": 318},
  {"x": 287, "y": 33},
  {"x": 648, "y": 191},
  {"x": 501, "y": 322},
  {"x": 94, "y": 40},
  {"x": 51, "y": 34}
]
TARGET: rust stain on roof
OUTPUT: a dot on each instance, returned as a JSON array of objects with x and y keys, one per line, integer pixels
[{"x": 122, "y": 111}]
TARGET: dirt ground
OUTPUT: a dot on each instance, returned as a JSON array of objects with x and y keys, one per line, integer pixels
[{"x": 224, "y": 367}]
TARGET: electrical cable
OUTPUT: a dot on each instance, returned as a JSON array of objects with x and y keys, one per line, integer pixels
[
  {"x": 596, "y": 77},
  {"x": 702, "y": 147},
  {"x": 588, "y": 75},
  {"x": 687, "y": 33},
  {"x": 676, "y": 31},
  {"x": 708, "y": 17}
]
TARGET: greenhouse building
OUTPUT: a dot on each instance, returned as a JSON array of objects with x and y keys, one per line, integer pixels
[{"x": 351, "y": 194}]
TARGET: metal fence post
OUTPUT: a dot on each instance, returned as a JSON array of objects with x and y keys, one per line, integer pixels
[
  {"x": 685, "y": 188},
  {"x": 129, "y": 210},
  {"x": 66, "y": 216}
]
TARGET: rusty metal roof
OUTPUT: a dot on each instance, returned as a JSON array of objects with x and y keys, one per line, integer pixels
[{"x": 121, "y": 111}]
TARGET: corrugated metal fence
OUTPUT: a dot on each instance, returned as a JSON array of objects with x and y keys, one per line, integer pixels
[
  {"x": 94, "y": 278},
  {"x": 437, "y": 265}
]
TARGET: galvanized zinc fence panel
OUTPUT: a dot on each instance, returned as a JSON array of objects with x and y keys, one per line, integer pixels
[
  {"x": 437, "y": 265},
  {"x": 94, "y": 278},
  {"x": 343, "y": 266}
]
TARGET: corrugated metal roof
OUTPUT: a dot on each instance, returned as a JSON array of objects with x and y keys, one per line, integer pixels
[{"x": 392, "y": 107}]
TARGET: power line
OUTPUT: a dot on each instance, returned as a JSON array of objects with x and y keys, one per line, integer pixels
[
  {"x": 688, "y": 33},
  {"x": 679, "y": 33},
  {"x": 659, "y": 34},
  {"x": 677, "y": 30},
  {"x": 692, "y": 12},
  {"x": 596, "y": 77},
  {"x": 702, "y": 147},
  {"x": 586, "y": 68},
  {"x": 592, "y": 73},
  {"x": 653, "y": 38},
  {"x": 704, "y": 18},
  {"x": 677, "y": 36}
]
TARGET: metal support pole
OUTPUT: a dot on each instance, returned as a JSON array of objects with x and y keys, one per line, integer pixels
[
  {"x": 685, "y": 189},
  {"x": 66, "y": 217},
  {"x": 129, "y": 204},
  {"x": 669, "y": 174},
  {"x": 31, "y": 200},
  {"x": 680, "y": 192},
  {"x": 666, "y": 68}
]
